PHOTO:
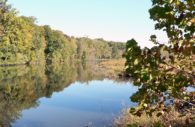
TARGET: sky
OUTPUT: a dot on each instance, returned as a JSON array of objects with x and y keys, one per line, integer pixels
[{"x": 116, "y": 20}]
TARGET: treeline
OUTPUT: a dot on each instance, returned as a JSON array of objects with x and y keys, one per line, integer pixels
[
  {"x": 23, "y": 41},
  {"x": 98, "y": 49}
]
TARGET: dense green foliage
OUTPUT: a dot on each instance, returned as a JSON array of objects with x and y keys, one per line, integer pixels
[
  {"x": 22, "y": 41},
  {"x": 164, "y": 72},
  {"x": 59, "y": 47},
  {"x": 98, "y": 49},
  {"x": 20, "y": 38},
  {"x": 176, "y": 17}
]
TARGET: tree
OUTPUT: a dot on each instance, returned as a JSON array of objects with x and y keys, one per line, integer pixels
[
  {"x": 22, "y": 41},
  {"x": 164, "y": 71},
  {"x": 176, "y": 17},
  {"x": 14, "y": 36}
]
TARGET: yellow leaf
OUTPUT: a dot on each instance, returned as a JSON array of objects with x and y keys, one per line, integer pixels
[{"x": 136, "y": 62}]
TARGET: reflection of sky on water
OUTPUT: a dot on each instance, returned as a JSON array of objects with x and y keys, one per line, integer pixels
[
  {"x": 191, "y": 89},
  {"x": 95, "y": 102}
]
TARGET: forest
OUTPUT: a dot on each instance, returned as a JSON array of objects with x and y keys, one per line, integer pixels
[
  {"x": 25, "y": 42},
  {"x": 163, "y": 75}
]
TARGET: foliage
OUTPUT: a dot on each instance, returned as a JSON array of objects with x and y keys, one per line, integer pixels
[
  {"x": 164, "y": 72},
  {"x": 99, "y": 49},
  {"x": 59, "y": 47},
  {"x": 176, "y": 17},
  {"x": 22, "y": 41},
  {"x": 173, "y": 119}
]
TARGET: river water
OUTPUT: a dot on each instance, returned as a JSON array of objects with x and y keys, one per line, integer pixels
[{"x": 61, "y": 96}]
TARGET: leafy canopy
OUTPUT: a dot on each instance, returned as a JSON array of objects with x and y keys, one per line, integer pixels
[{"x": 164, "y": 72}]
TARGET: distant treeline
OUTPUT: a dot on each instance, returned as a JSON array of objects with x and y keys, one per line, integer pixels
[{"x": 23, "y": 41}]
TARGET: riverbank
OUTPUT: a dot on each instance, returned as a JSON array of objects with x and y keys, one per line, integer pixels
[
  {"x": 113, "y": 67},
  {"x": 171, "y": 119}
]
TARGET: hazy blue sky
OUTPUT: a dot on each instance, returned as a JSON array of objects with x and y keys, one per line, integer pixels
[{"x": 117, "y": 20}]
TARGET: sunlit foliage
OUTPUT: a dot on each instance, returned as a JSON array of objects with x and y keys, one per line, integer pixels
[
  {"x": 99, "y": 49},
  {"x": 164, "y": 72},
  {"x": 22, "y": 42}
]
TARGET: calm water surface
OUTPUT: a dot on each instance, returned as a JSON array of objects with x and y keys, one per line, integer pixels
[{"x": 61, "y": 96}]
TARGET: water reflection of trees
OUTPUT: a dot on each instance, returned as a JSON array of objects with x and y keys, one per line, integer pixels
[{"x": 22, "y": 86}]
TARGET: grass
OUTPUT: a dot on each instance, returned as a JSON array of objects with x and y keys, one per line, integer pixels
[
  {"x": 113, "y": 67},
  {"x": 171, "y": 119}
]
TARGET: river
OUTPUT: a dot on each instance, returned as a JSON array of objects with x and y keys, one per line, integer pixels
[{"x": 66, "y": 95}]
